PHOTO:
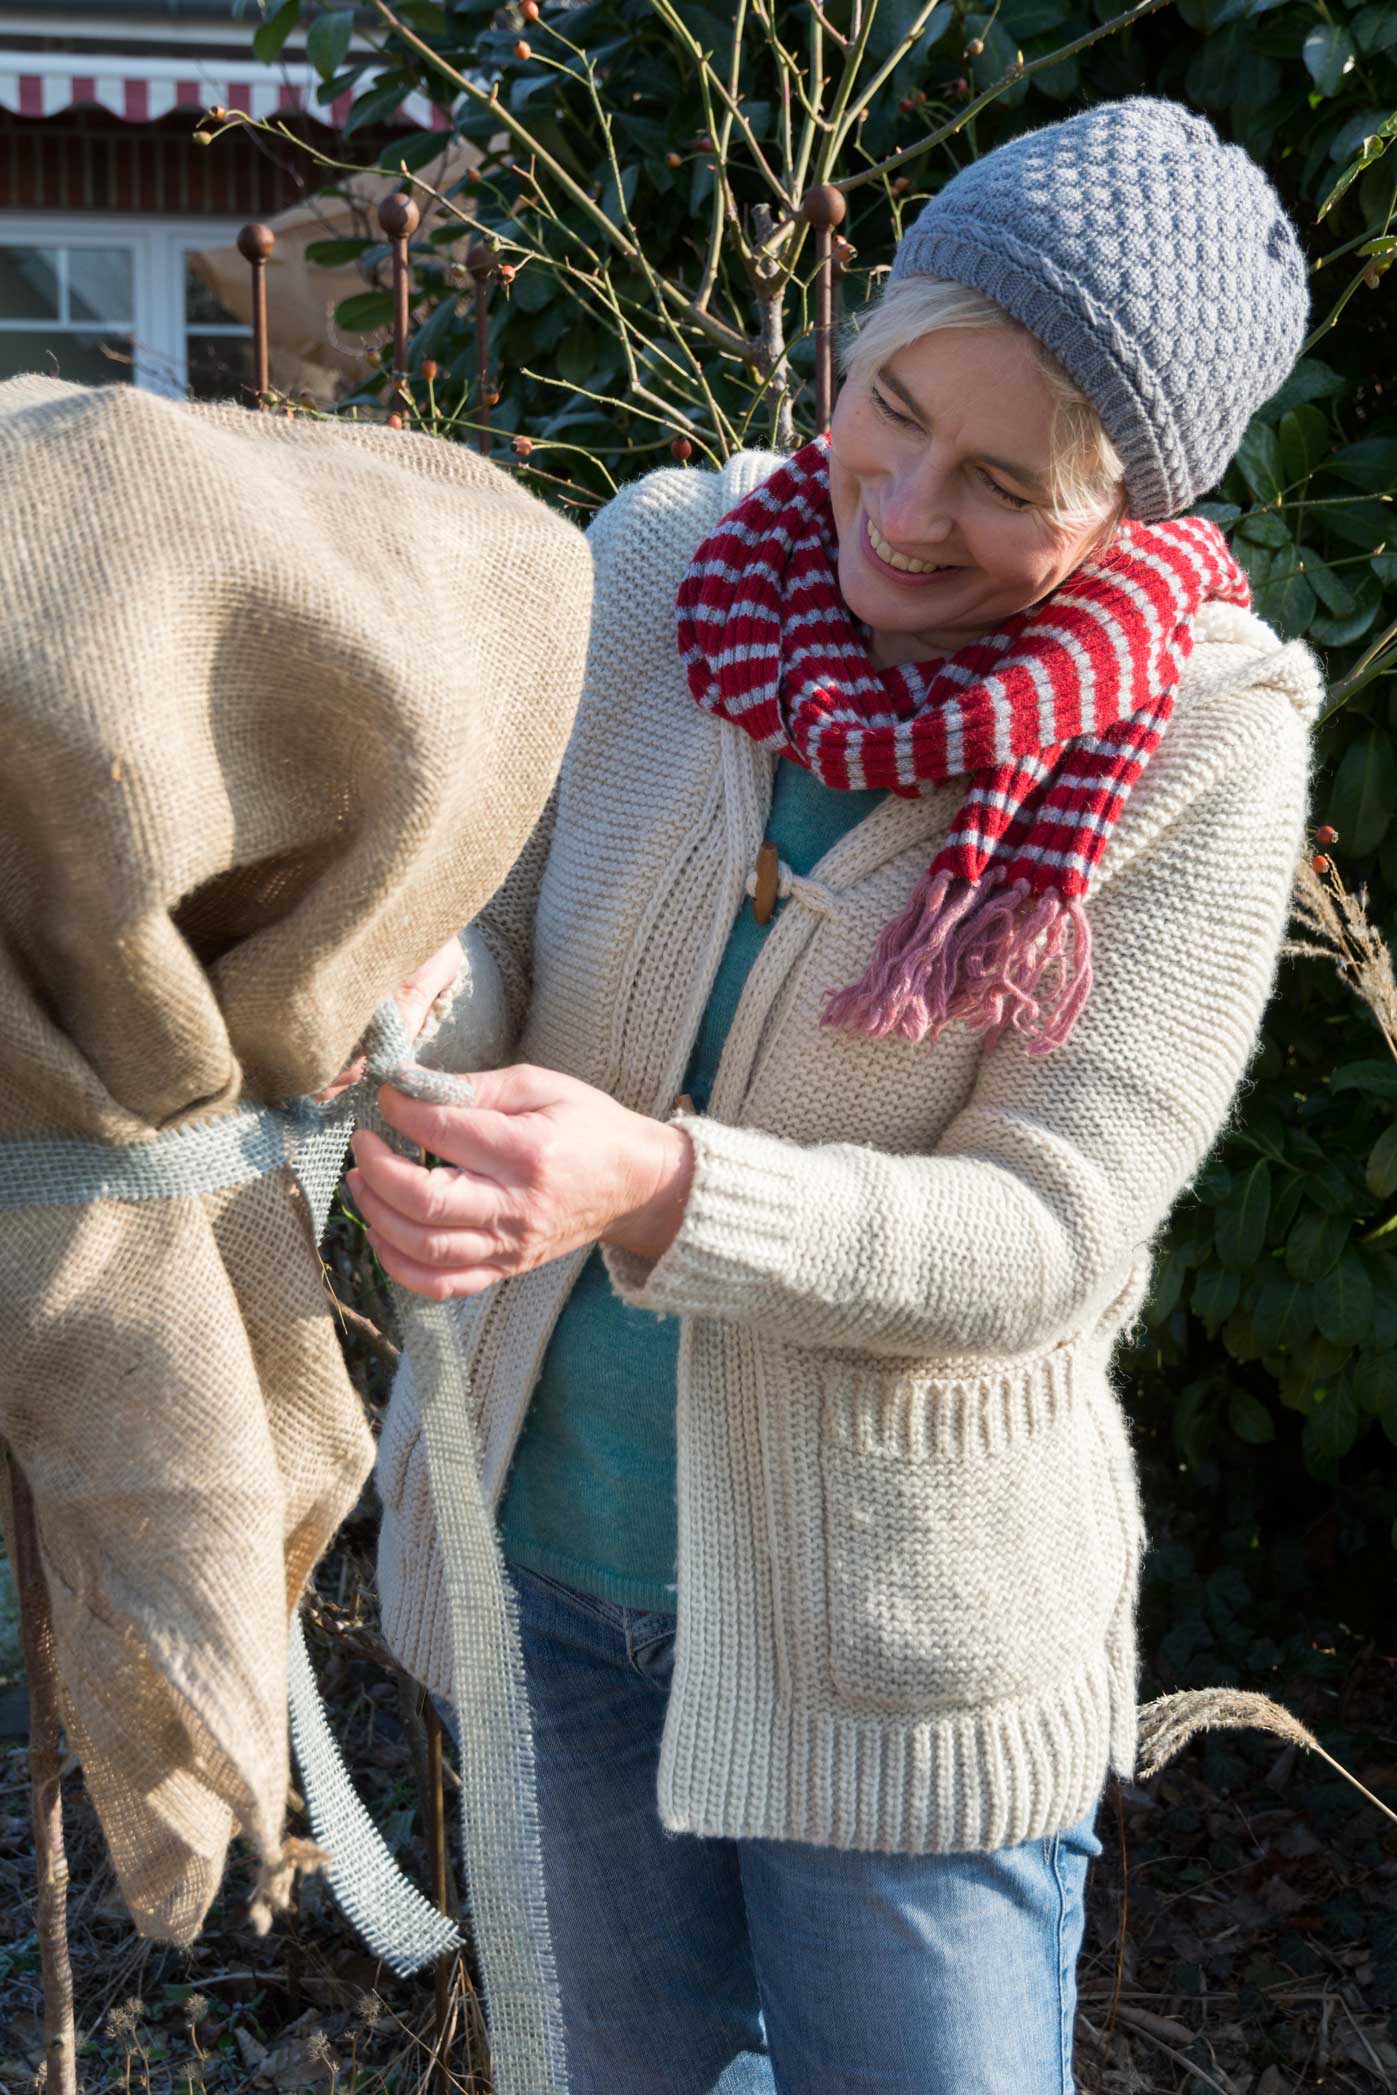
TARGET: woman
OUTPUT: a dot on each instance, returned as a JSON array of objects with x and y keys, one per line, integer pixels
[{"x": 1036, "y": 781}]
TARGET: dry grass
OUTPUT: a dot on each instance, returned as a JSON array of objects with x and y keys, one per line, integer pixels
[{"x": 1341, "y": 932}]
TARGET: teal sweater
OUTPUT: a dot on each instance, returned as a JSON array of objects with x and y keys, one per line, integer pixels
[{"x": 590, "y": 1498}]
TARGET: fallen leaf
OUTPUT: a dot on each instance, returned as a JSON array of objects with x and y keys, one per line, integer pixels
[{"x": 252, "y": 2052}]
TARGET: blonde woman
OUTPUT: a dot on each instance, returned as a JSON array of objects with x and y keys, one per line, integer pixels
[{"x": 885, "y": 966}]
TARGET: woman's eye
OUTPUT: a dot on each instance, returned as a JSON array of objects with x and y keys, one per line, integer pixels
[
  {"x": 881, "y": 404},
  {"x": 1016, "y": 501}
]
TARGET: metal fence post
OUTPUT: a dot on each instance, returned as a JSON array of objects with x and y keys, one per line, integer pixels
[
  {"x": 399, "y": 218},
  {"x": 823, "y": 208},
  {"x": 255, "y": 243}
]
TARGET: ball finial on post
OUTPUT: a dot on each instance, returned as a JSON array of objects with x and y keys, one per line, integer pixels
[
  {"x": 824, "y": 208},
  {"x": 399, "y": 217},
  {"x": 255, "y": 243}
]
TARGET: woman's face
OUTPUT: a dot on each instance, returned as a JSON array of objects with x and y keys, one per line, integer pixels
[{"x": 942, "y": 458}]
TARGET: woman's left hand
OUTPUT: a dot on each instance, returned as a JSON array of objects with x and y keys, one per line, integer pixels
[{"x": 540, "y": 1164}]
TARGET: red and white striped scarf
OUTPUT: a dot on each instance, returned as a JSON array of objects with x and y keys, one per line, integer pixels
[{"x": 1052, "y": 717}]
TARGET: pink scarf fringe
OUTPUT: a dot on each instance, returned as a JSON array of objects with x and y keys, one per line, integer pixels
[{"x": 990, "y": 954}]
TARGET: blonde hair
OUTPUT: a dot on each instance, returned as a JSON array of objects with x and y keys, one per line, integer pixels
[{"x": 1086, "y": 474}]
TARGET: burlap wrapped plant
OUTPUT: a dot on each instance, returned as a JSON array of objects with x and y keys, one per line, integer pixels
[{"x": 280, "y": 702}]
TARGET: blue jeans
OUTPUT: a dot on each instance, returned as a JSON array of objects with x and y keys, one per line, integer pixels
[{"x": 767, "y": 1967}]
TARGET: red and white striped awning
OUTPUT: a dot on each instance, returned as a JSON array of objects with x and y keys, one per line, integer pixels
[{"x": 141, "y": 89}]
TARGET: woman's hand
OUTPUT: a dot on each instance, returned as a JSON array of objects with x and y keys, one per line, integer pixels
[
  {"x": 540, "y": 1164},
  {"x": 414, "y": 999}
]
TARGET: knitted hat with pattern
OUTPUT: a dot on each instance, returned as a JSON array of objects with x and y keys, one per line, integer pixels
[{"x": 1157, "y": 263}]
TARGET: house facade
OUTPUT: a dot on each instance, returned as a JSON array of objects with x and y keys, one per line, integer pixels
[{"x": 107, "y": 198}]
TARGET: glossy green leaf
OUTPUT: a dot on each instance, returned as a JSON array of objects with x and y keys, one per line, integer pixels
[
  {"x": 1340, "y": 628},
  {"x": 1249, "y": 1418},
  {"x": 1239, "y": 1336},
  {"x": 1336, "y": 1186},
  {"x": 1329, "y": 54},
  {"x": 333, "y": 254},
  {"x": 1303, "y": 437},
  {"x": 1360, "y": 524},
  {"x": 1315, "y": 1244},
  {"x": 364, "y": 312},
  {"x": 1375, "y": 29},
  {"x": 1285, "y": 1204},
  {"x": 1371, "y": 464},
  {"x": 1332, "y": 591},
  {"x": 1213, "y": 1183},
  {"x": 1331, "y": 1428},
  {"x": 1374, "y": 1380},
  {"x": 1267, "y": 527},
  {"x": 380, "y": 102},
  {"x": 1378, "y": 1079},
  {"x": 1280, "y": 1312},
  {"x": 1381, "y": 1171},
  {"x": 1259, "y": 461},
  {"x": 1323, "y": 1357},
  {"x": 1241, "y": 1220},
  {"x": 268, "y": 40},
  {"x": 1166, "y": 1285},
  {"x": 327, "y": 40},
  {"x": 1343, "y": 1302},
  {"x": 1365, "y": 790},
  {"x": 1288, "y": 604},
  {"x": 1215, "y": 1295}
]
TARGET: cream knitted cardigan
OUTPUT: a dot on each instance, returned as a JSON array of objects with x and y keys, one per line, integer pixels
[{"x": 909, "y": 1521}]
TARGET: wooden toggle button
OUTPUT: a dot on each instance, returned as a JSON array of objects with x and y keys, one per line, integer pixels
[
  {"x": 768, "y": 872},
  {"x": 683, "y": 1103}
]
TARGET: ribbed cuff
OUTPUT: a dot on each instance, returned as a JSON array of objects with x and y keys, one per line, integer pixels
[{"x": 738, "y": 1232}]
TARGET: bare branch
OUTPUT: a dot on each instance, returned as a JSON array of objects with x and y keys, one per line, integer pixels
[{"x": 899, "y": 161}]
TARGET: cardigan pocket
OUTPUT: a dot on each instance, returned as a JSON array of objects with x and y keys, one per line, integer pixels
[{"x": 975, "y": 1537}]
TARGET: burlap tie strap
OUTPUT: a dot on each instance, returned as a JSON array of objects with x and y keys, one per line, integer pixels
[{"x": 499, "y": 1813}]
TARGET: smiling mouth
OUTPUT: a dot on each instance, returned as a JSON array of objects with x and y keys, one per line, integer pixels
[{"x": 901, "y": 563}]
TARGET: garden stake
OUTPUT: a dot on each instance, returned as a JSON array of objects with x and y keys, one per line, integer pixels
[
  {"x": 823, "y": 208},
  {"x": 480, "y": 261},
  {"x": 45, "y": 1793},
  {"x": 255, "y": 243},
  {"x": 399, "y": 218}
]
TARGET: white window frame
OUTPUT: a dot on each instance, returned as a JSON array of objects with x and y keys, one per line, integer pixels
[{"x": 159, "y": 247}]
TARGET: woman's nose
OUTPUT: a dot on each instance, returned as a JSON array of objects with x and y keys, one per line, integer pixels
[{"x": 918, "y": 507}]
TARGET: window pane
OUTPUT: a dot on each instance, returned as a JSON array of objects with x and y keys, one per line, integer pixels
[
  {"x": 28, "y": 283},
  {"x": 99, "y": 284},
  {"x": 92, "y": 359},
  {"x": 202, "y": 307},
  {"x": 220, "y": 366}
]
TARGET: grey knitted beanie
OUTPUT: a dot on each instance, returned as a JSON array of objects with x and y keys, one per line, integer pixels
[{"x": 1157, "y": 263}]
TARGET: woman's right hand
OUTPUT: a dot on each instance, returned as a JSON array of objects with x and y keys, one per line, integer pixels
[{"x": 414, "y": 998}]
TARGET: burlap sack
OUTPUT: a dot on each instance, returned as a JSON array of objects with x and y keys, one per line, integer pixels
[{"x": 280, "y": 702}]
